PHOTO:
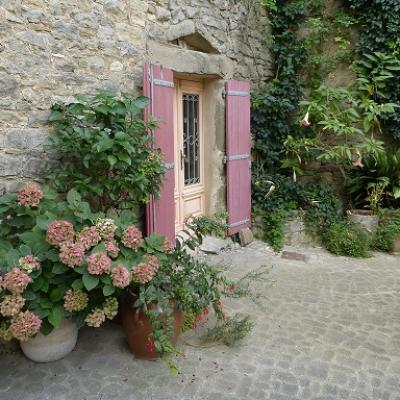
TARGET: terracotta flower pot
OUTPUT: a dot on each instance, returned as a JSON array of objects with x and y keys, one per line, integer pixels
[{"x": 138, "y": 329}]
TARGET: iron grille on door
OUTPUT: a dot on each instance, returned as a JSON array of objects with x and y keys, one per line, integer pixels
[{"x": 191, "y": 138}]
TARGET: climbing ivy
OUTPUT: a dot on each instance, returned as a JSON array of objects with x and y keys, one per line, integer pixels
[
  {"x": 379, "y": 27},
  {"x": 273, "y": 108}
]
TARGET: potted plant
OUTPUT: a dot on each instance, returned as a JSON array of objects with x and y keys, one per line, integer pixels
[
  {"x": 49, "y": 288},
  {"x": 170, "y": 285}
]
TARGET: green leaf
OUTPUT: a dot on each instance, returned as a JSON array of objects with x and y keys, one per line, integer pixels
[
  {"x": 80, "y": 270},
  {"x": 56, "y": 294},
  {"x": 108, "y": 290},
  {"x": 37, "y": 284},
  {"x": 112, "y": 160},
  {"x": 46, "y": 327},
  {"x": 29, "y": 295},
  {"x": 12, "y": 258},
  {"x": 77, "y": 284},
  {"x": 106, "y": 279},
  {"x": 59, "y": 268},
  {"x": 24, "y": 250},
  {"x": 125, "y": 158},
  {"x": 73, "y": 197},
  {"x": 90, "y": 281},
  {"x": 43, "y": 221},
  {"x": 56, "y": 315}
]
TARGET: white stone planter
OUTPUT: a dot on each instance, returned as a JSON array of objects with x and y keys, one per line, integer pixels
[
  {"x": 54, "y": 346},
  {"x": 364, "y": 218}
]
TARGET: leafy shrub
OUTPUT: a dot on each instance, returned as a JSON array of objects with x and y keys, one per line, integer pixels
[
  {"x": 106, "y": 153},
  {"x": 383, "y": 169},
  {"x": 276, "y": 196},
  {"x": 344, "y": 239},
  {"x": 387, "y": 232}
]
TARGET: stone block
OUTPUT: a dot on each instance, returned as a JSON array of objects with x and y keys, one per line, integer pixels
[
  {"x": 213, "y": 22},
  {"x": 129, "y": 33},
  {"x": 66, "y": 30},
  {"x": 38, "y": 39},
  {"x": 294, "y": 255},
  {"x": 162, "y": 14},
  {"x": 26, "y": 139},
  {"x": 184, "y": 28},
  {"x": 7, "y": 84},
  {"x": 215, "y": 245},
  {"x": 245, "y": 237},
  {"x": 10, "y": 165}
]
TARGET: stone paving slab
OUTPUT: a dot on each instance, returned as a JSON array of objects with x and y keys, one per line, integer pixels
[{"x": 328, "y": 329}]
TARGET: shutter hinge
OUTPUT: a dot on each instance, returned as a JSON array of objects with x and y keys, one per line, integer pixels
[{"x": 236, "y": 157}]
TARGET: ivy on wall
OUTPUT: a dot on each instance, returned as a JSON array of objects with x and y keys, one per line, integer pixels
[
  {"x": 274, "y": 107},
  {"x": 379, "y": 31}
]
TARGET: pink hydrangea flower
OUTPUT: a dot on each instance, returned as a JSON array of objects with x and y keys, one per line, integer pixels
[
  {"x": 16, "y": 281},
  {"x": 11, "y": 305},
  {"x": 30, "y": 195},
  {"x": 144, "y": 272},
  {"x": 98, "y": 263},
  {"x": 95, "y": 318},
  {"x": 132, "y": 237},
  {"x": 107, "y": 228},
  {"x": 112, "y": 249},
  {"x": 71, "y": 254},
  {"x": 59, "y": 232},
  {"x": 121, "y": 277},
  {"x": 88, "y": 237},
  {"x": 25, "y": 325},
  {"x": 75, "y": 300},
  {"x": 29, "y": 263},
  {"x": 153, "y": 260},
  {"x": 167, "y": 247}
]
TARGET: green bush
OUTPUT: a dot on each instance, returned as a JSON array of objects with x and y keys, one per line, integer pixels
[
  {"x": 345, "y": 239},
  {"x": 105, "y": 150},
  {"x": 275, "y": 196},
  {"x": 387, "y": 232}
]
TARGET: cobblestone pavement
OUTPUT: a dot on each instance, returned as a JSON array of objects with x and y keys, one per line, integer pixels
[{"x": 327, "y": 329}]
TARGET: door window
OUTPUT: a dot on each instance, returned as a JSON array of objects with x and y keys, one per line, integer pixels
[{"x": 191, "y": 138}]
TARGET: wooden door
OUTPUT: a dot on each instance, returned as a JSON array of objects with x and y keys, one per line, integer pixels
[{"x": 189, "y": 154}]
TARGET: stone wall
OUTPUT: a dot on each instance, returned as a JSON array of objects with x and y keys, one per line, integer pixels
[{"x": 51, "y": 49}]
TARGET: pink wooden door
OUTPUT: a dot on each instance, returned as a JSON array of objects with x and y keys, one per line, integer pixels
[
  {"x": 238, "y": 146},
  {"x": 158, "y": 85}
]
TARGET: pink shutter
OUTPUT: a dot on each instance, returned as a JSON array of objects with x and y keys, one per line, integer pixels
[
  {"x": 158, "y": 85},
  {"x": 238, "y": 146}
]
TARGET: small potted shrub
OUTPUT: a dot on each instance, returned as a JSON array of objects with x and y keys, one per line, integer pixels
[{"x": 171, "y": 284}]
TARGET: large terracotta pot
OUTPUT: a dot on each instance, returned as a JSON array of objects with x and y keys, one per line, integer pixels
[
  {"x": 60, "y": 342},
  {"x": 138, "y": 329}
]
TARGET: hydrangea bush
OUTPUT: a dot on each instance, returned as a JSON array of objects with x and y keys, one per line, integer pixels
[{"x": 56, "y": 262}]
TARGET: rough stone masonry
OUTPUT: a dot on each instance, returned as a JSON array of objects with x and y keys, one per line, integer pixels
[{"x": 52, "y": 49}]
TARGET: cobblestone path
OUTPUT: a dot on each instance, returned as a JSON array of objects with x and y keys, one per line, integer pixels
[{"x": 327, "y": 329}]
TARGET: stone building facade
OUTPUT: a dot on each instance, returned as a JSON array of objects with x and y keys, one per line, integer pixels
[{"x": 51, "y": 49}]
